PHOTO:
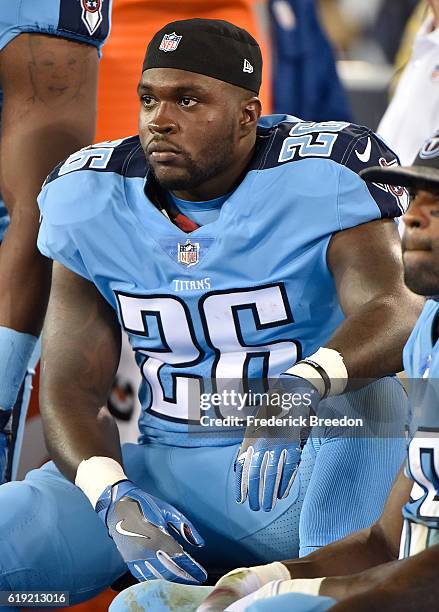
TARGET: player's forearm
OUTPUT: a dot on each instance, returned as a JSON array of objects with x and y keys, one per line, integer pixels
[
  {"x": 409, "y": 585},
  {"x": 86, "y": 432},
  {"x": 361, "y": 550},
  {"x": 76, "y": 427},
  {"x": 372, "y": 339},
  {"x": 80, "y": 354}
]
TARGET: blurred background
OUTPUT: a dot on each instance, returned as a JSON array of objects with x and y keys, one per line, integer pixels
[{"x": 370, "y": 41}]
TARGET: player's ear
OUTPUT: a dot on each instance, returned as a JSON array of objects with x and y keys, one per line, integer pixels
[{"x": 250, "y": 112}]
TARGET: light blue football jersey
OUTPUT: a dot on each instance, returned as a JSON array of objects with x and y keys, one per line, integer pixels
[
  {"x": 240, "y": 298},
  {"x": 421, "y": 362}
]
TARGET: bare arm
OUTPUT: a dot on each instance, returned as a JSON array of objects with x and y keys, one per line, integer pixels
[
  {"x": 80, "y": 354},
  {"x": 409, "y": 585},
  {"x": 361, "y": 550},
  {"x": 380, "y": 311},
  {"x": 49, "y": 109},
  {"x": 365, "y": 575}
]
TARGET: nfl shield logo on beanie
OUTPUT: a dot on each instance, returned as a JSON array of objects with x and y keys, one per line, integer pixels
[{"x": 170, "y": 42}]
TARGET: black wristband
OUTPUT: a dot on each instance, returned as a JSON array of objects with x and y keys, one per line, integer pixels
[{"x": 323, "y": 374}]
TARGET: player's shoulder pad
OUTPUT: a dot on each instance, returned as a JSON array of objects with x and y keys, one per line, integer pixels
[
  {"x": 124, "y": 157},
  {"x": 284, "y": 139}
]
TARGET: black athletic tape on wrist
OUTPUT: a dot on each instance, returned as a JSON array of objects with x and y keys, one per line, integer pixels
[{"x": 323, "y": 374}]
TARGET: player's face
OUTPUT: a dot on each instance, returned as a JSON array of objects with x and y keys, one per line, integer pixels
[
  {"x": 189, "y": 129},
  {"x": 420, "y": 243}
]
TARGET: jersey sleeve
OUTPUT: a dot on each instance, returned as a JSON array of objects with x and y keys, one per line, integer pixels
[
  {"x": 78, "y": 199},
  {"x": 56, "y": 236},
  {"x": 330, "y": 156},
  {"x": 358, "y": 201}
]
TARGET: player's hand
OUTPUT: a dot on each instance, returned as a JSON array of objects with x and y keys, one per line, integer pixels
[
  {"x": 140, "y": 526},
  {"x": 269, "y": 456},
  {"x": 240, "y": 583},
  {"x": 4, "y": 444},
  {"x": 231, "y": 587}
]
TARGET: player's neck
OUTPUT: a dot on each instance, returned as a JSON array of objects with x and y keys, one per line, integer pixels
[{"x": 220, "y": 184}]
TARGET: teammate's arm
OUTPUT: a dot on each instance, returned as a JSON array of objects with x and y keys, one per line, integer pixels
[
  {"x": 49, "y": 89},
  {"x": 49, "y": 109},
  {"x": 380, "y": 311},
  {"x": 351, "y": 565},
  {"x": 80, "y": 355},
  {"x": 409, "y": 585},
  {"x": 363, "y": 549}
]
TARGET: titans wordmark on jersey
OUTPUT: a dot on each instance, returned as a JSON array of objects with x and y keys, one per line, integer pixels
[
  {"x": 421, "y": 362},
  {"x": 240, "y": 298}
]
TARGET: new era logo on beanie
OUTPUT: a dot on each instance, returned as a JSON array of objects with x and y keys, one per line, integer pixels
[
  {"x": 247, "y": 67},
  {"x": 212, "y": 47}
]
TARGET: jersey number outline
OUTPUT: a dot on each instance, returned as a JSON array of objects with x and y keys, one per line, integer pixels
[
  {"x": 167, "y": 317},
  {"x": 97, "y": 156},
  {"x": 303, "y": 142},
  {"x": 423, "y": 467}
]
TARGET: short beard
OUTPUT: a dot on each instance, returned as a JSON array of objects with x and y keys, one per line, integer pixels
[
  {"x": 213, "y": 162},
  {"x": 422, "y": 283},
  {"x": 193, "y": 178}
]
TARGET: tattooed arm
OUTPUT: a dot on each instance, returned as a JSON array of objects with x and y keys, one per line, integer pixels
[
  {"x": 80, "y": 354},
  {"x": 49, "y": 108}
]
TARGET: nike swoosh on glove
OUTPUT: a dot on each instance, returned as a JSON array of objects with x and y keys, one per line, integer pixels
[
  {"x": 269, "y": 456},
  {"x": 140, "y": 526}
]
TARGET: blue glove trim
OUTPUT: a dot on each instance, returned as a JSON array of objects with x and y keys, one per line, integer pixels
[{"x": 139, "y": 524}]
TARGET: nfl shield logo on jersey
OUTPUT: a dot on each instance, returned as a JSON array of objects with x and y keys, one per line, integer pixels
[
  {"x": 170, "y": 42},
  {"x": 189, "y": 253},
  {"x": 92, "y": 14}
]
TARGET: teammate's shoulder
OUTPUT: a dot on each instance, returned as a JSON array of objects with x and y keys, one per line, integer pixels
[
  {"x": 284, "y": 138},
  {"x": 123, "y": 157},
  {"x": 419, "y": 344}
]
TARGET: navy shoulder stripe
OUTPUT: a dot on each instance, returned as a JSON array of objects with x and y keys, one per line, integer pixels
[
  {"x": 283, "y": 139},
  {"x": 294, "y": 140},
  {"x": 124, "y": 156}
]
